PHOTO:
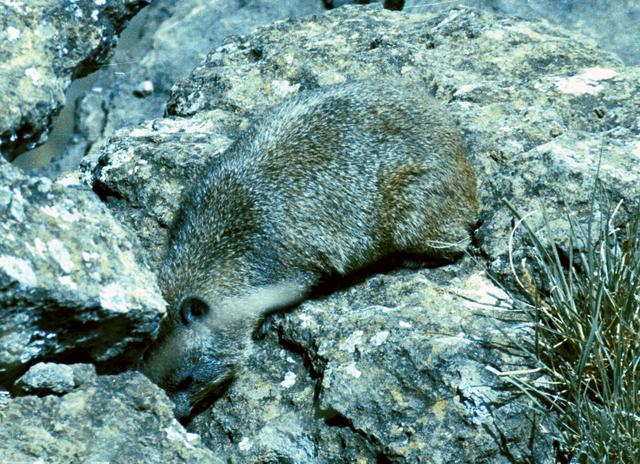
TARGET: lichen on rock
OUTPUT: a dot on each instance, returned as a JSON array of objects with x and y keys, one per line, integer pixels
[
  {"x": 44, "y": 45},
  {"x": 120, "y": 418},
  {"x": 71, "y": 286}
]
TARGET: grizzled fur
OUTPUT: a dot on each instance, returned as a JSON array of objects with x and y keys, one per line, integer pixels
[{"x": 323, "y": 184}]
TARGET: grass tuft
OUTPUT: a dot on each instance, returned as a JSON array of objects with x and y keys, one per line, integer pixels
[{"x": 585, "y": 303}]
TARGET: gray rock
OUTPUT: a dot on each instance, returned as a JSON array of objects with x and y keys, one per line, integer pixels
[
  {"x": 46, "y": 378},
  {"x": 43, "y": 46},
  {"x": 557, "y": 180},
  {"x": 173, "y": 37},
  {"x": 271, "y": 414},
  {"x": 52, "y": 378},
  {"x": 118, "y": 419},
  {"x": 391, "y": 369},
  {"x": 71, "y": 287},
  {"x": 611, "y": 23}
]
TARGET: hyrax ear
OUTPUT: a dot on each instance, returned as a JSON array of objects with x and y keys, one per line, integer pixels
[{"x": 193, "y": 309}]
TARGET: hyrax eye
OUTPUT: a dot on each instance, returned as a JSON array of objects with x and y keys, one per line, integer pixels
[{"x": 193, "y": 309}]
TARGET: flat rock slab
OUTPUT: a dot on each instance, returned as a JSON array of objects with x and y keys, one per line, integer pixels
[{"x": 70, "y": 284}]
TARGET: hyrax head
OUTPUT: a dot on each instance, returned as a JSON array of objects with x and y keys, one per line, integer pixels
[
  {"x": 216, "y": 294},
  {"x": 206, "y": 337},
  {"x": 197, "y": 351}
]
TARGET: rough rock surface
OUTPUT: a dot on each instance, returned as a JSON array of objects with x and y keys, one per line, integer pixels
[
  {"x": 70, "y": 285},
  {"x": 52, "y": 378},
  {"x": 394, "y": 369},
  {"x": 43, "y": 46},
  {"x": 611, "y": 23},
  {"x": 173, "y": 38},
  {"x": 117, "y": 419}
]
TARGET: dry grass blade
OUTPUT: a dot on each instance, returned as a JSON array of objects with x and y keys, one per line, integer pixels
[{"x": 586, "y": 309}]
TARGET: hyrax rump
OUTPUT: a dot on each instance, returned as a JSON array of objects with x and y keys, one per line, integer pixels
[{"x": 323, "y": 184}]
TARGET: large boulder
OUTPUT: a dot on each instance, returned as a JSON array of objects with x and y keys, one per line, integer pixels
[
  {"x": 400, "y": 367},
  {"x": 608, "y": 22},
  {"x": 121, "y": 418},
  {"x": 43, "y": 46},
  {"x": 71, "y": 286}
]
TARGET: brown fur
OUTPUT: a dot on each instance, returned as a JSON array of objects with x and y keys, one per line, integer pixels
[{"x": 324, "y": 184}]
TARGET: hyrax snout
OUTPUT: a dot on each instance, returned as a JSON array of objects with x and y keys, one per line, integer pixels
[{"x": 326, "y": 183}]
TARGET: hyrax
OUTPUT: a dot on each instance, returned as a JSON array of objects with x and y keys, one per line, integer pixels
[{"x": 323, "y": 184}]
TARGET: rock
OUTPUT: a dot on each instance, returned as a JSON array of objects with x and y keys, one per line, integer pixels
[
  {"x": 71, "y": 287},
  {"x": 393, "y": 369},
  {"x": 47, "y": 378},
  {"x": 286, "y": 424},
  {"x": 52, "y": 378},
  {"x": 173, "y": 38},
  {"x": 557, "y": 180},
  {"x": 43, "y": 46},
  {"x": 399, "y": 367},
  {"x": 607, "y": 22},
  {"x": 152, "y": 176},
  {"x": 120, "y": 419},
  {"x": 143, "y": 89}
]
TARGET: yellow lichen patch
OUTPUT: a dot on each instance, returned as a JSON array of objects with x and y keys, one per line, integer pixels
[
  {"x": 439, "y": 408},
  {"x": 398, "y": 398},
  {"x": 75, "y": 403}
]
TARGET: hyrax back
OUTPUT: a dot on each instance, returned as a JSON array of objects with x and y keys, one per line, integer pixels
[{"x": 323, "y": 184}]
